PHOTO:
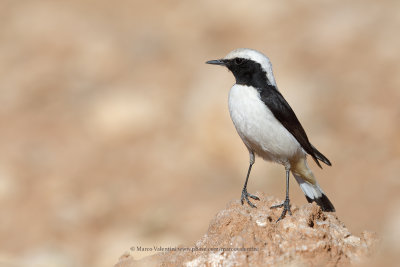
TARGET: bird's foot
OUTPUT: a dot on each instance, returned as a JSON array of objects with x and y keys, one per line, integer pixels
[
  {"x": 245, "y": 196},
  {"x": 286, "y": 208}
]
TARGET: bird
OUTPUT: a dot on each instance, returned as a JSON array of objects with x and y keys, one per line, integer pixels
[{"x": 269, "y": 128}]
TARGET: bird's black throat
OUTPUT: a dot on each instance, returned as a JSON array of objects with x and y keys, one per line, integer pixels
[{"x": 250, "y": 73}]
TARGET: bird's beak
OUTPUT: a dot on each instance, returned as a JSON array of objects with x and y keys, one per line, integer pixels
[{"x": 216, "y": 62}]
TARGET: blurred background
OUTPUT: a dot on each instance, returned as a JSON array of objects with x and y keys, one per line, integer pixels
[{"x": 115, "y": 134}]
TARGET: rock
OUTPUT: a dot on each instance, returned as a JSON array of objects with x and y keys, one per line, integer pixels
[{"x": 243, "y": 236}]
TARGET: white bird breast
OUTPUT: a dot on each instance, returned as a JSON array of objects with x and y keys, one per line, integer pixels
[{"x": 261, "y": 132}]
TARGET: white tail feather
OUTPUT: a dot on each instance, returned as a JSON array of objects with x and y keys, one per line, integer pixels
[{"x": 310, "y": 190}]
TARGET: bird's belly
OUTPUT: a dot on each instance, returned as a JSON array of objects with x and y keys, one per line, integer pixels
[{"x": 261, "y": 132}]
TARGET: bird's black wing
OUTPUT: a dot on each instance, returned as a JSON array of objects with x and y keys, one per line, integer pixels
[{"x": 285, "y": 115}]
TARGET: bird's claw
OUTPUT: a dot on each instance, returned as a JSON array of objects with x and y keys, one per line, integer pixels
[
  {"x": 286, "y": 209},
  {"x": 246, "y": 195}
]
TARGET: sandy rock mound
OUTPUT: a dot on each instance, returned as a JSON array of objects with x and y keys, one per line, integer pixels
[{"x": 242, "y": 236}]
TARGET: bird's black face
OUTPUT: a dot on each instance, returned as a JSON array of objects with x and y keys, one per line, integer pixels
[{"x": 246, "y": 71}]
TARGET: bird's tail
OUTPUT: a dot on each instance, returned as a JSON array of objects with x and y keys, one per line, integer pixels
[{"x": 314, "y": 193}]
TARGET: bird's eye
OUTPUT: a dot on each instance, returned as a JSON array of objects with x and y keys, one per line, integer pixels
[{"x": 238, "y": 61}]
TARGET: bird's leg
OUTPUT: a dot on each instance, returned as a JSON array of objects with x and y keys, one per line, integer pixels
[
  {"x": 245, "y": 194},
  {"x": 286, "y": 203}
]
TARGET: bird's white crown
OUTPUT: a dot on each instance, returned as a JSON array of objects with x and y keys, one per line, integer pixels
[{"x": 256, "y": 56}]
